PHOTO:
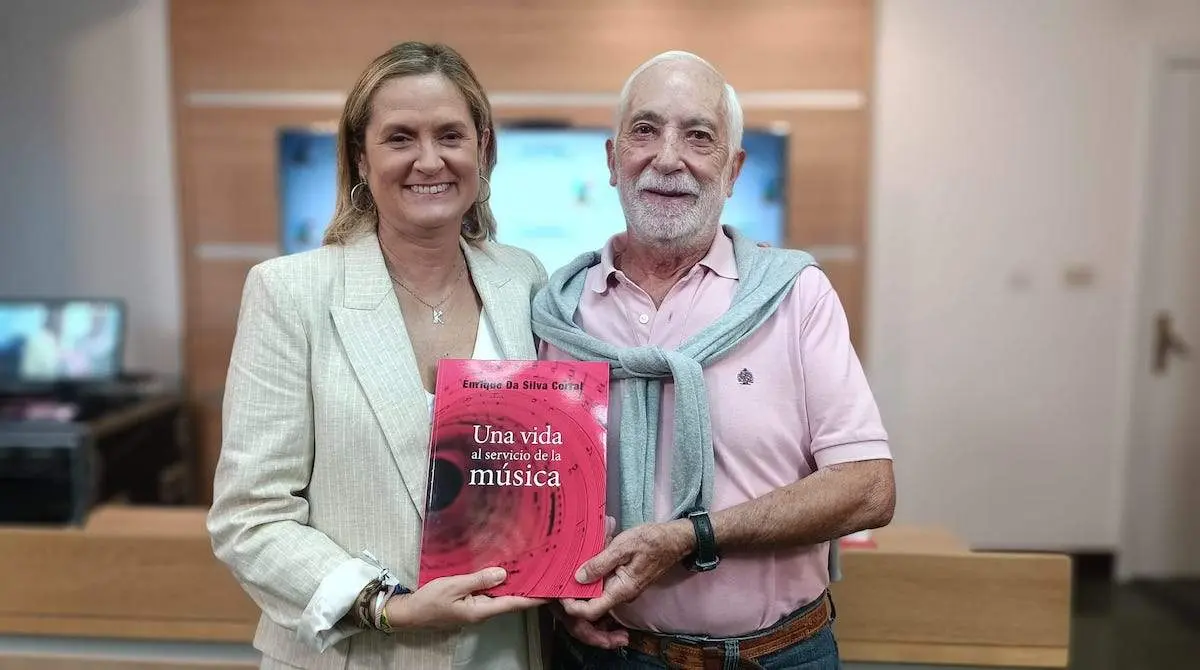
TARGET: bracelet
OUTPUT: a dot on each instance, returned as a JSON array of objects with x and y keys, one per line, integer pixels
[
  {"x": 362, "y": 604},
  {"x": 380, "y": 600},
  {"x": 369, "y": 609},
  {"x": 370, "y": 606},
  {"x": 383, "y": 623}
]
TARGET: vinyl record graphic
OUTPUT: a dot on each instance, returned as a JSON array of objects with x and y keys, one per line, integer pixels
[{"x": 517, "y": 473}]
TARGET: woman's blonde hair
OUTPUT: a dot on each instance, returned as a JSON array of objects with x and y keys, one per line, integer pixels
[{"x": 405, "y": 60}]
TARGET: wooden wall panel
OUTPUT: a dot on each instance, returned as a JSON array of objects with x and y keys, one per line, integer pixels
[
  {"x": 209, "y": 350},
  {"x": 828, "y": 182},
  {"x": 207, "y": 417},
  {"x": 546, "y": 45},
  {"x": 232, "y": 175},
  {"x": 226, "y": 147},
  {"x": 209, "y": 340},
  {"x": 848, "y": 279}
]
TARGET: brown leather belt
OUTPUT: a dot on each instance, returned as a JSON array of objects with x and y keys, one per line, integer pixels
[{"x": 684, "y": 655}]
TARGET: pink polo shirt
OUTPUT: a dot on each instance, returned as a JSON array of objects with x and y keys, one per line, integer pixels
[{"x": 790, "y": 399}]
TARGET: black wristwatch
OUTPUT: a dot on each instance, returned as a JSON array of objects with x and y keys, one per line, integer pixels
[{"x": 705, "y": 557}]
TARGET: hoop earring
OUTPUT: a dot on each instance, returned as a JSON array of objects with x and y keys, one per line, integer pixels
[
  {"x": 354, "y": 198},
  {"x": 483, "y": 181}
]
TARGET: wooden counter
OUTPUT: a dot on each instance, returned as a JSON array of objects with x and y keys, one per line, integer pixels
[
  {"x": 131, "y": 572},
  {"x": 923, "y": 597},
  {"x": 920, "y": 596}
]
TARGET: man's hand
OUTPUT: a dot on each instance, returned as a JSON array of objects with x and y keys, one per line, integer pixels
[
  {"x": 634, "y": 560},
  {"x": 605, "y": 633}
]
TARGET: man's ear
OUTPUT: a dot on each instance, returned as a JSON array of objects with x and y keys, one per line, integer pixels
[
  {"x": 739, "y": 159},
  {"x": 610, "y": 151}
]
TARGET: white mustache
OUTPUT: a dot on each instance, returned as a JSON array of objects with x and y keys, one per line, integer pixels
[{"x": 681, "y": 183}]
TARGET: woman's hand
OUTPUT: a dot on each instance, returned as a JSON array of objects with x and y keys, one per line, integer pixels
[{"x": 449, "y": 602}]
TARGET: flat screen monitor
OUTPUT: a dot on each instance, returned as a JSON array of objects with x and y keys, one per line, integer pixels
[
  {"x": 550, "y": 190},
  {"x": 55, "y": 341},
  {"x": 307, "y": 186}
]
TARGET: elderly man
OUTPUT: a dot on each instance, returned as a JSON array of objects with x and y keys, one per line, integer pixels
[{"x": 743, "y": 438}]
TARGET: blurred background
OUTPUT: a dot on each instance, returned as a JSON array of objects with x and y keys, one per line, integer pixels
[{"x": 1005, "y": 193}]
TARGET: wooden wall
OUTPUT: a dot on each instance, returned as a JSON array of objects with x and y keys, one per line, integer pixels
[{"x": 243, "y": 68}]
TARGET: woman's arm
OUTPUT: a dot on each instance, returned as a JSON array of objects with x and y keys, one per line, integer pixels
[{"x": 259, "y": 517}]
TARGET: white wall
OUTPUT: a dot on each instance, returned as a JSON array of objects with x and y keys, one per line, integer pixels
[
  {"x": 1008, "y": 148},
  {"x": 87, "y": 202}
]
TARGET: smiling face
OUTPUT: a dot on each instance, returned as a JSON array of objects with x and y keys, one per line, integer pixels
[
  {"x": 421, "y": 153},
  {"x": 671, "y": 160}
]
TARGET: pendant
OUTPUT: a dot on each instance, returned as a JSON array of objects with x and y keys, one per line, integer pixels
[{"x": 437, "y": 316}]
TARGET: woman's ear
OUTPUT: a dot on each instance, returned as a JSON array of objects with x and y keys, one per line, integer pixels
[
  {"x": 361, "y": 166},
  {"x": 485, "y": 141}
]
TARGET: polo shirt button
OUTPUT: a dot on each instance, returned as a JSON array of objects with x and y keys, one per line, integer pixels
[{"x": 644, "y": 319}]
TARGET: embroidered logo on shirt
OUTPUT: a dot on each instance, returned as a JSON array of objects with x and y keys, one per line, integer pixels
[{"x": 745, "y": 377}]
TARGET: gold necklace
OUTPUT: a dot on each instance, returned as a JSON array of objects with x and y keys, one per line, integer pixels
[{"x": 439, "y": 314}]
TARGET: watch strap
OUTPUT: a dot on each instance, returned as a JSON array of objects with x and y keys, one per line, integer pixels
[{"x": 705, "y": 557}]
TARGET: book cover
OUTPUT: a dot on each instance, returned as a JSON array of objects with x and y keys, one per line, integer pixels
[{"x": 517, "y": 474}]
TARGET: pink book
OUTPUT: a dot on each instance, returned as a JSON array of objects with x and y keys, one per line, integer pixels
[{"x": 517, "y": 474}]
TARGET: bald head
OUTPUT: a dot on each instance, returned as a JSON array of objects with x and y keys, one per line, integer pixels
[{"x": 679, "y": 68}]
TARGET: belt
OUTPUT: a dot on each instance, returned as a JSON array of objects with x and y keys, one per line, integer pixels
[{"x": 710, "y": 655}]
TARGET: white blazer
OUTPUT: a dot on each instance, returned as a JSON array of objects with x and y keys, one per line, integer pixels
[{"x": 324, "y": 452}]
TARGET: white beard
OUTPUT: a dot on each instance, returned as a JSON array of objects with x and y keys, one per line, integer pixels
[{"x": 672, "y": 224}]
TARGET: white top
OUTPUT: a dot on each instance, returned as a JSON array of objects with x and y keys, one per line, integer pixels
[{"x": 499, "y": 643}]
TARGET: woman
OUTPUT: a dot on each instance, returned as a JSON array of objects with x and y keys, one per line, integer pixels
[{"x": 323, "y": 469}]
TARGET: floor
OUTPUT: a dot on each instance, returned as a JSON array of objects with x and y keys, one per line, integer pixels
[{"x": 1132, "y": 627}]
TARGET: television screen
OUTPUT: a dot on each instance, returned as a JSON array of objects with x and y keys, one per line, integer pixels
[
  {"x": 60, "y": 340},
  {"x": 550, "y": 191},
  {"x": 307, "y": 186}
]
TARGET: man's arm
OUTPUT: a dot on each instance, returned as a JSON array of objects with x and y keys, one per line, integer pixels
[
  {"x": 852, "y": 488},
  {"x": 833, "y": 502}
]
